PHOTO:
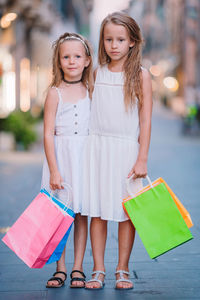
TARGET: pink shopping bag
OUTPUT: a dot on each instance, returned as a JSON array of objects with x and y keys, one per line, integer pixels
[{"x": 38, "y": 231}]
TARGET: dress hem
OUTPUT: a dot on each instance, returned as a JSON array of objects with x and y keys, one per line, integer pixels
[{"x": 98, "y": 216}]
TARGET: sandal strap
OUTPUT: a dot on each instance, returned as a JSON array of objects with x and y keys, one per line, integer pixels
[
  {"x": 123, "y": 280},
  {"x": 98, "y": 273},
  {"x": 121, "y": 276},
  {"x": 121, "y": 272},
  {"x": 60, "y": 281},
  {"x": 95, "y": 279},
  {"x": 77, "y": 271},
  {"x": 61, "y": 272},
  {"x": 77, "y": 279}
]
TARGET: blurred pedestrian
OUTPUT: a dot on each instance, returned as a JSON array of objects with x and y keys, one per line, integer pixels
[
  {"x": 66, "y": 121},
  {"x": 118, "y": 142}
]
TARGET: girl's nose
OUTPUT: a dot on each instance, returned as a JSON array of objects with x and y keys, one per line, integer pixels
[
  {"x": 71, "y": 61},
  {"x": 113, "y": 45}
]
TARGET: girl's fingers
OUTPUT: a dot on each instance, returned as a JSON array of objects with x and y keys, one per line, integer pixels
[
  {"x": 142, "y": 175},
  {"x": 56, "y": 187},
  {"x": 52, "y": 187},
  {"x": 59, "y": 187},
  {"x": 135, "y": 176},
  {"x": 62, "y": 187},
  {"x": 130, "y": 173}
]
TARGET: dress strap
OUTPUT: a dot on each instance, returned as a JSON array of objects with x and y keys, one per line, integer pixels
[
  {"x": 59, "y": 99},
  {"x": 59, "y": 94}
]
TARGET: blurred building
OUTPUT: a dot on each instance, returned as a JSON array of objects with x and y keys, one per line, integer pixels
[
  {"x": 184, "y": 24},
  {"x": 27, "y": 30},
  {"x": 191, "y": 56},
  {"x": 100, "y": 9},
  {"x": 172, "y": 49}
]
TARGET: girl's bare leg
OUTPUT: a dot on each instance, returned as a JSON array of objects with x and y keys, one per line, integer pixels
[
  {"x": 126, "y": 236},
  {"x": 98, "y": 235},
  {"x": 80, "y": 241}
]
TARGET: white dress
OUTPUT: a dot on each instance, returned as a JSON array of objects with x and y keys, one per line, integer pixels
[
  {"x": 71, "y": 131},
  {"x": 111, "y": 149}
]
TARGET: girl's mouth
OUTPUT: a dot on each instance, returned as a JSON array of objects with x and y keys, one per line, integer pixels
[{"x": 114, "y": 52}]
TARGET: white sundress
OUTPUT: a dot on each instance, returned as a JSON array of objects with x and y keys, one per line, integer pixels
[
  {"x": 111, "y": 150},
  {"x": 71, "y": 131}
]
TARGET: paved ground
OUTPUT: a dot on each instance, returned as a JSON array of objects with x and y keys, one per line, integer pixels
[{"x": 175, "y": 275}]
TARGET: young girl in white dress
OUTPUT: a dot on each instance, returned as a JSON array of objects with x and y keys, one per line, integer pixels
[
  {"x": 66, "y": 123},
  {"x": 118, "y": 140}
]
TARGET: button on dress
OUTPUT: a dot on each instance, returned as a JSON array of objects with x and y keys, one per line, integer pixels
[{"x": 71, "y": 131}]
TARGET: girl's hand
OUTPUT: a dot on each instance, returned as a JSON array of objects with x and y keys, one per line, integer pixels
[
  {"x": 55, "y": 181},
  {"x": 139, "y": 170}
]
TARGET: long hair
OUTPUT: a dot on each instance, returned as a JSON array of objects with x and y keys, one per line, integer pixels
[
  {"x": 132, "y": 65},
  {"x": 57, "y": 72}
]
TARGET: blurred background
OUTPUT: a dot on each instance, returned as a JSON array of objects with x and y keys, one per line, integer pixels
[
  {"x": 28, "y": 28},
  {"x": 171, "y": 53}
]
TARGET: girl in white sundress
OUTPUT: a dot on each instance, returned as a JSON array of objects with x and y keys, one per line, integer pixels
[
  {"x": 66, "y": 123},
  {"x": 118, "y": 140}
]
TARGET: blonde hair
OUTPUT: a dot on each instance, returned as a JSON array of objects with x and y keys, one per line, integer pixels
[
  {"x": 87, "y": 77},
  {"x": 132, "y": 65}
]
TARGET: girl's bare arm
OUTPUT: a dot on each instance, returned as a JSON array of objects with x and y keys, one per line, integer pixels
[
  {"x": 145, "y": 113},
  {"x": 50, "y": 109}
]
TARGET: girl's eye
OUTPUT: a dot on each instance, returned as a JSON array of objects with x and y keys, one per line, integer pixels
[
  {"x": 109, "y": 40},
  {"x": 78, "y": 56},
  {"x": 121, "y": 40},
  {"x": 66, "y": 56}
]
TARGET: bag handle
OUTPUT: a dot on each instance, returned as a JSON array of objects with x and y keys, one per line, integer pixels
[
  {"x": 128, "y": 180},
  {"x": 68, "y": 187}
]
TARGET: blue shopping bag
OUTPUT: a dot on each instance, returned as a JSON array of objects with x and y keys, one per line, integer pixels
[{"x": 56, "y": 255}]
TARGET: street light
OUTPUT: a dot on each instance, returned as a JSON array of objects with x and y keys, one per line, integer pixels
[
  {"x": 155, "y": 70},
  {"x": 171, "y": 83},
  {"x": 7, "y": 19}
]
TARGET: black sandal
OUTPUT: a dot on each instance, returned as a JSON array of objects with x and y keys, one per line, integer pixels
[
  {"x": 61, "y": 282},
  {"x": 82, "y": 279}
]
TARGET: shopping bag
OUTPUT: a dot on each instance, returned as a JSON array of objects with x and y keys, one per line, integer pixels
[
  {"x": 156, "y": 218},
  {"x": 185, "y": 214},
  {"x": 38, "y": 231},
  {"x": 56, "y": 255}
]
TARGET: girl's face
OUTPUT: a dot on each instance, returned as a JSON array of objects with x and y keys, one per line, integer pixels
[
  {"x": 73, "y": 59},
  {"x": 116, "y": 42}
]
